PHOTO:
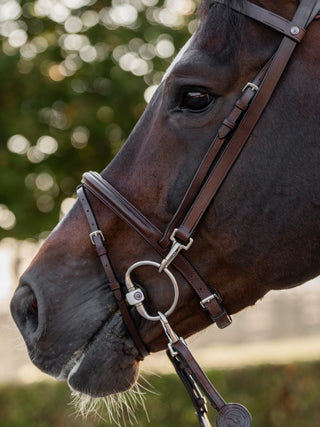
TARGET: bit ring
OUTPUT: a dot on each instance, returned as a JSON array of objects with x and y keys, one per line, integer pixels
[{"x": 135, "y": 295}]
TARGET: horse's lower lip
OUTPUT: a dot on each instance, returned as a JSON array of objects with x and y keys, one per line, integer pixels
[
  {"x": 74, "y": 370},
  {"x": 106, "y": 364},
  {"x": 72, "y": 365},
  {"x": 74, "y": 362}
]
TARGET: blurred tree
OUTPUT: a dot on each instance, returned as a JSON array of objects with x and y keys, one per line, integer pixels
[{"x": 75, "y": 77}]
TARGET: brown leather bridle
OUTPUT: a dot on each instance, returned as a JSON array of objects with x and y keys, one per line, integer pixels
[{"x": 216, "y": 164}]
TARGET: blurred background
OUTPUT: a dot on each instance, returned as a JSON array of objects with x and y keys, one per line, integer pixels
[{"x": 75, "y": 76}]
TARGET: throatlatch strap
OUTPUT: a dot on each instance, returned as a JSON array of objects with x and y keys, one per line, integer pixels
[{"x": 97, "y": 239}]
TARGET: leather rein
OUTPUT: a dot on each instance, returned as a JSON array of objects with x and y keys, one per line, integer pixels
[{"x": 216, "y": 164}]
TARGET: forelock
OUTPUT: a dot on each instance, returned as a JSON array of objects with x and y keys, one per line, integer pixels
[
  {"x": 206, "y": 5},
  {"x": 223, "y": 17}
]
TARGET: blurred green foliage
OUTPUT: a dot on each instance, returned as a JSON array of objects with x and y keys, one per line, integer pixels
[
  {"x": 73, "y": 79},
  {"x": 277, "y": 396}
]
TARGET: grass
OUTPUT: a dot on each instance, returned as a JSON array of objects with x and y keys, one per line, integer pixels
[{"x": 278, "y": 396}]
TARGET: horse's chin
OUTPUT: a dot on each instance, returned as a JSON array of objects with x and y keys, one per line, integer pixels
[{"x": 107, "y": 365}]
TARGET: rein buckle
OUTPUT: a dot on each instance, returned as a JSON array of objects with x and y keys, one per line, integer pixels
[{"x": 175, "y": 249}]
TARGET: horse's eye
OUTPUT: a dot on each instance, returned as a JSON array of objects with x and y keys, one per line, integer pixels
[{"x": 196, "y": 100}]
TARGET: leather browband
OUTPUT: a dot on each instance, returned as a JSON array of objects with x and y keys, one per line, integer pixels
[{"x": 308, "y": 13}]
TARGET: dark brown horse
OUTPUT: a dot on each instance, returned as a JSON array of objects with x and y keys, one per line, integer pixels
[{"x": 261, "y": 232}]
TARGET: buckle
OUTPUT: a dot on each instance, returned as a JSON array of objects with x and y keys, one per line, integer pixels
[
  {"x": 253, "y": 86},
  {"x": 210, "y": 298},
  {"x": 96, "y": 233},
  {"x": 175, "y": 249}
]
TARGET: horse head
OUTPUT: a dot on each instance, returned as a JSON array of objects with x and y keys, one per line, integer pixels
[{"x": 261, "y": 231}]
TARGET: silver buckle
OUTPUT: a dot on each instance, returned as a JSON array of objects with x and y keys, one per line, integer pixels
[
  {"x": 252, "y": 86},
  {"x": 96, "y": 233},
  {"x": 208, "y": 299},
  {"x": 175, "y": 249}
]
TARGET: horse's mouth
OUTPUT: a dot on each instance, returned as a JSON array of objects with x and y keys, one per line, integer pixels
[
  {"x": 106, "y": 365},
  {"x": 72, "y": 365}
]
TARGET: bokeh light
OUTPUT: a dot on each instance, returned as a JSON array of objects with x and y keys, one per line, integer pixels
[
  {"x": 123, "y": 14},
  {"x": 10, "y": 10},
  {"x": 47, "y": 144},
  {"x": 44, "y": 181},
  {"x": 66, "y": 205},
  {"x": 165, "y": 48},
  {"x": 45, "y": 203},
  {"x": 80, "y": 137},
  {"x": 18, "y": 144},
  {"x": 78, "y": 49},
  {"x": 35, "y": 155},
  {"x": 148, "y": 94},
  {"x": 7, "y": 218}
]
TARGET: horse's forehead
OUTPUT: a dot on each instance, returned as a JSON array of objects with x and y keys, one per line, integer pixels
[
  {"x": 178, "y": 57},
  {"x": 209, "y": 36}
]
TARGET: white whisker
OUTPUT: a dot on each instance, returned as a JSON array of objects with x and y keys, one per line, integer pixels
[
  {"x": 148, "y": 388},
  {"x": 119, "y": 408}
]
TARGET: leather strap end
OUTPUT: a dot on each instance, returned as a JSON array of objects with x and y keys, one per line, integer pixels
[{"x": 223, "y": 320}]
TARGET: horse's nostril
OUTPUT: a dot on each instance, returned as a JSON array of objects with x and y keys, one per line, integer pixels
[
  {"x": 32, "y": 314},
  {"x": 34, "y": 306},
  {"x": 24, "y": 309}
]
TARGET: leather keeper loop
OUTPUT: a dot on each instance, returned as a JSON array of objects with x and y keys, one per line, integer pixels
[
  {"x": 229, "y": 124},
  {"x": 241, "y": 105},
  {"x": 101, "y": 251},
  {"x": 182, "y": 237}
]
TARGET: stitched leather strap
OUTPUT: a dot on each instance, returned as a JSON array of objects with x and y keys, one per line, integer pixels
[
  {"x": 266, "y": 17},
  {"x": 114, "y": 285},
  {"x": 194, "y": 379}
]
